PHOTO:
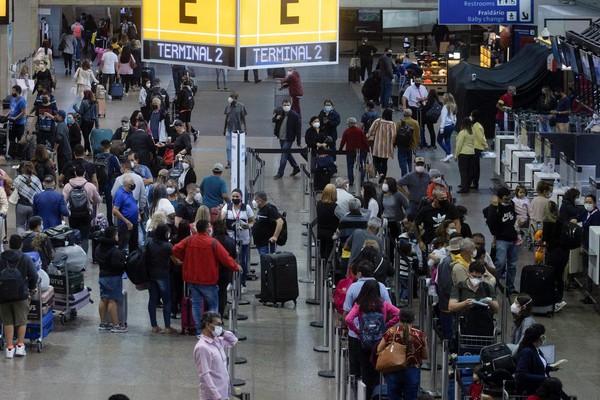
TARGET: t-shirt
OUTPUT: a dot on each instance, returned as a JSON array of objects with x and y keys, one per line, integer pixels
[
  {"x": 232, "y": 216},
  {"x": 127, "y": 206},
  {"x": 416, "y": 183},
  {"x": 17, "y": 105},
  {"x": 564, "y": 104},
  {"x": 505, "y": 101},
  {"x": 357, "y": 240},
  {"x": 265, "y": 224},
  {"x": 432, "y": 217},
  {"x": 212, "y": 188},
  {"x": 186, "y": 210},
  {"x": 63, "y": 140},
  {"x": 68, "y": 170},
  {"x": 234, "y": 114},
  {"x": 109, "y": 59}
]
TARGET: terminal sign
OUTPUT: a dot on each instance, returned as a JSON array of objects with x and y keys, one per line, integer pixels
[
  {"x": 271, "y": 32},
  {"x": 493, "y": 12},
  {"x": 4, "y": 12}
]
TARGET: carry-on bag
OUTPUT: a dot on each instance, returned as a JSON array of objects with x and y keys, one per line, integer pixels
[
  {"x": 116, "y": 90},
  {"x": 121, "y": 310},
  {"x": 538, "y": 282},
  {"x": 279, "y": 282}
]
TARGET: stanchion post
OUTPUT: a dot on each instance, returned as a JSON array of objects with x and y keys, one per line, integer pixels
[
  {"x": 236, "y": 295},
  {"x": 318, "y": 277},
  {"x": 309, "y": 257},
  {"x": 333, "y": 344},
  {"x": 305, "y": 193},
  {"x": 504, "y": 316},
  {"x": 422, "y": 302},
  {"x": 232, "y": 352},
  {"x": 445, "y": 370},
  {"x": 357, "y": 174},
  {"x": 433, "y": 360},
  {"x": 322, "y": 323},
  {"x": 411, "y": 278},
  {"x": 344, "y": 378},
  {"x": 397, "y": 286},
  {"x": 338, "y": 362}
]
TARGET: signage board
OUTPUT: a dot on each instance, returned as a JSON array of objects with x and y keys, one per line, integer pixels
[
  {"x": 271, "y": 32},
  {"x": 4, "y": 12},
  {"x": 485, "y": 12}
]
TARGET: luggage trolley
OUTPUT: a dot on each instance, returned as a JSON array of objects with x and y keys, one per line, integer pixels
[
  {"x": 67, "y": 303},
  {"x": 472, "y": 344},
  {"x": 41, "y": 318}
]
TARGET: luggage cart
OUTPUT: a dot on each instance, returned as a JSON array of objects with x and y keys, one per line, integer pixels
[
  {"x": 472, "y": 344},
  {"x": 39, "y": 329},
  {"x": 68, "y": 304}
]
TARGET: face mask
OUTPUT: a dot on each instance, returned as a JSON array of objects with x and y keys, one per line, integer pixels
[
  {"x": 431, "y": 263},
  {"x": 230, "y": 99},
  {"x": 198, "y": 197},
  {"x": 385, "y": 187},
  {"x": 254, "y": 204},
  {"x": 287, "y": 108},
  {"x": 148, "y": 85},
  {"x": 170, "y": 190},
  {"x": 588, "y": 207},
  {"x": 543, "y": 340},
  {"x": 316, "y": 125},
  {"x": 475, "y": 281},
  {"x": 328, "y": 108},
  {"x": 125, "y": 127},
  {"x": 450, "y": 231},
  {"x": 417, "y": 84},
  {"x": 514, "y": 308},
  {"x": 218, "y": 331},
  {"x": 236, "y": 201},
  {"x": 480, "y": 250},
  {"x": 42, "y": 228},
  {"x": 132, "y": 187},
  {"x": 69, "y": 121},
  {"x": 474, "y": 253},
  {"x": 437, "y": 180},
  {"x": 506, "y": 204},
  {"x": 132, "y": 163},
  {"x": 289, "y": 73},
  {"x": 443, "y": 203},
  {"x": 185, "y": 165},
  {"x": 155, "y": 106},
  {"x": 419, "y": 168}
]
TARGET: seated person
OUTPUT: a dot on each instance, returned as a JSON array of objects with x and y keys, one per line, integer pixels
[{"x": 35, "y": 240}]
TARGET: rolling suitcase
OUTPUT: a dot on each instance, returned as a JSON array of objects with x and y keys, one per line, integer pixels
[
  {"x": 76, "y": 300},
  {"x": 538, "y": 282},
  {"x": 116, "y": 90},
  {"x": 188, "y": 326},
  {"x": 102, "y": 108},
  {"x": 97, "y": 136},
  {"x": 279, "y": 281},
  {"x": 121, "y": 310},
  {"x": 354, "y": 74}
]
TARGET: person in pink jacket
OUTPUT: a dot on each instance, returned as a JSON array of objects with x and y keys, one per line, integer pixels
[
  {"x": 369, "y": 301},
  {"x": 211, "y": 361}
]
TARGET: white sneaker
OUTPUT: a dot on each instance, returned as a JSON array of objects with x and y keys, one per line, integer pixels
[
  {"x": 244, "y": 290},
  {"x": 446, "y": 159},
  {"x": 559, "y": 306},
  {"x": 9, "y": 353},
  {"x": 229, "y": 287},
  {"x": 20, "y": 351},
  {"x": 109, "y": 97}
]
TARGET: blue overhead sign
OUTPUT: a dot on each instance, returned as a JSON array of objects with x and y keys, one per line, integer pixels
[{"x": 493, "y": 12}]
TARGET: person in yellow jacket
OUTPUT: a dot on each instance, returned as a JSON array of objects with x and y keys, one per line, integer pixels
[
  {"x": 465, "y": 152},
  {"x": 480, "y": 146}
]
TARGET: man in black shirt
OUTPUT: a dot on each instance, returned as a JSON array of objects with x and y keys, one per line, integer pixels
[
  {"x": 188, "y": 207},
  {"x": 138, "y": 141},
  {"x": 68, "y": 171},
  {"x": 366, "y": 51},
  {"x": 268, "y": 224},
  {"x": 433, "y": 215},
  {"x": 183, "y": 142}
]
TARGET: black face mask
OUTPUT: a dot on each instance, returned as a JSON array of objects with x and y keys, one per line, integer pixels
[
  {"x": 480, "y": 251},
  {"x": 132, "y": 187},
  {"x": 45, "y": 100},
  {"x": 417, "y": 84},
  {"x": 389, "y": 54},
  {"x": 236, "y": 201},
  {"x": 443, "y": 203}
]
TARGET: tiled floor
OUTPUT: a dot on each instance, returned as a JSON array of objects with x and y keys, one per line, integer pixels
[{"x": 78, "y": 362}]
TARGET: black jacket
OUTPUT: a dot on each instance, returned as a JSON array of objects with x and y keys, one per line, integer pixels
[
  {"x": 158, "y": 252},
  {"x": 110, "y": 259},
  {"x": 569, "y": 211},
  {"x": 501, "y": 220},
  {"x": 294, "y": 125},
  {"x": 24, "y": 265},
  {"x": 142, "y": 144},
  {"x": 530, "y": 370}
]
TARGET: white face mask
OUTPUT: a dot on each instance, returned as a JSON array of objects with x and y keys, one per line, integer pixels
[
  {"x": 218, "y": 331},
  {"x": 254, "y": 204},
  {"x": 287, "y": 108},
  {"x": 474, "y": 253},
  {"x": 316, "y": 125},
  {"x": 230, "y": 99},
  {"x": 185, "y": 165},
  {"x": 475, "y": 281},
  {"x": 588, "y": 207},
  {"x": 132, "y": 163},
  {"x": 515, "y": 308},
  {"x": 198, "y": 197},
  {"x": 170, "y": 190},
  {"x": 419, "y": 168},
  {"x": 289, "y": 73},
  {"x": 437, "y": 180},
  {"x": 450, "y": 231},
  {"x": 431, "y": 263},
  {"x": 385, "y": 187}
]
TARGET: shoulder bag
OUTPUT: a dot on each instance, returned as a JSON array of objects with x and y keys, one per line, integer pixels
[
  {"x": 370, "y": 171},
  {"x": 393, "y": 357}
]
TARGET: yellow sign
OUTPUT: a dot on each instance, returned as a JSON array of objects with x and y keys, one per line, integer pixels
[
  {"x": 204, "y": 32},
  {"x": 4, "y": 12}
]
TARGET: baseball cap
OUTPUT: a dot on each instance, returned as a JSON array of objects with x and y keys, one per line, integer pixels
[
  {"x": 218, "y": 167},
  {"x": 419, "y": 160},
  {"x": 124, "y": 118},
  {"x": 177, "y": 122},
  {"x": 455, "y": 243},
  {"x": 62, "y": 114}
]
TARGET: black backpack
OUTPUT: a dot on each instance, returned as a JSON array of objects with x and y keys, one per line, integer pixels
[
  {"x": 78, "y": 201},
  {"x": 12, "y": 283},
  {"x": 153, "y": 93},
  {"x": 136, "y": 266},
  {"x": 186, "y": 99},
  {"x": 283, "y": 235},
  {"x": 571, "y": 235},
  {"x": 404, "y": 136},
  {"x": 101, "y": 166}
]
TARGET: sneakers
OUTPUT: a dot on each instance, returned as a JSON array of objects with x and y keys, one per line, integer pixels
[
  {"x": 20, "y": 352},
  {"x": 277, "y": 177},
  {"x": 119, "y": 329},
  {"x": 559, "y": 306},
  {"x": 447, "y": 158},
  {"x": 244, "y": 290},
  {"x": 295, "y": 172},
  {"x": 105, "y": 327},
  {"x": 157, "y": 329},
  {"x": 170, "y": 331},
  {"x": 229, "y": 287},
  {"x": 9, "y": 353},
  {"x": 109, "y": 97}
]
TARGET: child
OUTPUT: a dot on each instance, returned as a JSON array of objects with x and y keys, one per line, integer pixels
[
  {"x": 437, "y": 254},
  {"x": 522, "y": 208},
  {"x": 476, "y": 387}
]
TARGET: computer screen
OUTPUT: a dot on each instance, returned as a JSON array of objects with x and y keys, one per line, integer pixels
[
  {"x": 573, "y": 58},
  {"x": 555, "y": 50},
  {"x": 564, "y": 52},
  {"x": 585, "y": 64}
]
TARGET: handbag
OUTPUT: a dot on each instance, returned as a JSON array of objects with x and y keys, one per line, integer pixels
[
  {"x": 392, "y": 358},
  {"x": 433, "y": 114},
  {"x": 370, "y": 171},
  {"x": 14, "y": 197},
  {"x": 132, "y": 63}
]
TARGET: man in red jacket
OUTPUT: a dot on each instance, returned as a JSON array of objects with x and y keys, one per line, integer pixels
[
  {"x": 201, "y": 256},
  {"x": 294, "y": 84}
]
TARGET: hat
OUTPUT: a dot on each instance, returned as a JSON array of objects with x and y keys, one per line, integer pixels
[
  {"x": 419, "y": 160},
  {"x": 218, "y": 167},
  {"x": 177, "y": 122},
  {"x": 434, "y": 173},
  {"x": 124, "y": 118},
  {"x": 455, "y": 243},
  {"x": 62, "y": 114}
]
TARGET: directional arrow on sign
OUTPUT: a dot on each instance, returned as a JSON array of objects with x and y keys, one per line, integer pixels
[{"x": 525, "y": 16}]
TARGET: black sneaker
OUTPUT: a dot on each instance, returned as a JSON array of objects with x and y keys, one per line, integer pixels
[
  {"x": 276, "y": 177},
  {"x": 295, "y": 172}
]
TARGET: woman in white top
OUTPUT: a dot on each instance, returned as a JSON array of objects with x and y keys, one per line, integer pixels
[
  {"x": 239, "y": 218},
  {"x": 44, "y": 53},
  {"x": 125, "y": 67},
  {"x": 447, "y": 124},
  {"x": 84, "y": 76},
  {"x": 368, "y": 192},
  {"x": 160, "y": 202}
]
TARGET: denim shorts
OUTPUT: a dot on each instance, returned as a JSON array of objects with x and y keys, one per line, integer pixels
[{"x": 111, "y": 287}]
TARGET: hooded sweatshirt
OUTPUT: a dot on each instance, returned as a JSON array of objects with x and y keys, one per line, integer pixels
[
  {"x": 501, "y": 220},
  {"x": 110, "y": 259},
  {"x": 25, "y": 266},
  {"x": 92, "y": 193}
]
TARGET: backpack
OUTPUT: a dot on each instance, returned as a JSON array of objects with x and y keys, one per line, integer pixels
[
  {"x": 404, "y": 136},
  {"x": 283, "y": 235},
  {"x": 131, "y": 31},
  {"x": 78, "y": 201},
  {"x": 12, "y": 283},
  {"x": 433, "y": 114},
  {"x": 136, "y": 266},
  {"x": 372, "y": 328},
  {"x": 339, "y": 295},
  {"x": 186, "y": 101},
  {"x": 101, "y": 166},
  {"x": 153, "y": 93},
  {"x": 571, "y": 235}
]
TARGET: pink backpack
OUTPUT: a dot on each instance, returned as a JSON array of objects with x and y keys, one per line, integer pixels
[{"x": 339, "y": 296}]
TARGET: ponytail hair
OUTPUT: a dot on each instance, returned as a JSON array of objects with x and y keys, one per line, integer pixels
[{"x": 407, "y": 317}]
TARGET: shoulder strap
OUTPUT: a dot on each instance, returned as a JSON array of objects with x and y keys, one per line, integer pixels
[{"x": 379, "y": 265}]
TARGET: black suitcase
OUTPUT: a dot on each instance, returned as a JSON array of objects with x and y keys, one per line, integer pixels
[
  {"x": 538, "y": 282},
  {"x": 279, "y": 278},
  {"x": 322, "y": 178},
  {"x": 354, "y": 74},
  {"x": 148, "y": 73}
]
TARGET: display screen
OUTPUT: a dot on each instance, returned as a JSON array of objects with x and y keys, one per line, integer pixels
[
  {"x": 369, "y": 15},
  {"x": 555, "y": 49},
  {"x": 573, "y": 58},
  {"x": 585, "y": 64},
  {"x": 564, "y": 52},
  {"x": 596, "y": 64}
]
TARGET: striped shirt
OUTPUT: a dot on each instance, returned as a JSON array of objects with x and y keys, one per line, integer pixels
[
  {"x": 27, "y": 189},
  {"x": 383, "y": 134}
]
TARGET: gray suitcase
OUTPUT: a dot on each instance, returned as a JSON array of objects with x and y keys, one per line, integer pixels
[
  {"x": 121, "y": 309},
  {"x": 76, "y": 301}
]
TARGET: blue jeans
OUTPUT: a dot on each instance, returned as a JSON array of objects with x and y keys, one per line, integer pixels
[
  {"x": 405, "y": 160},
  {"x": 447, "y": 325},
  {"x": 221, "y": 71},
  {"x": 228, "y": 144},
  {"x": 270, "y": 248},
  {"x": 507, "y": 256},
  {"x": 404, "y": 384},
  {"x": 200, "y": 294},
  {"x": 386, "y": 91},
  {"x": 244, "y": 249},
  {"x": 285, "y": 157},
  {"x": 350, "y": 161},
  {"x": 160, "y": 287},
  {"x": 444, "y": 139},
  {"x": 544, "y": 124}
]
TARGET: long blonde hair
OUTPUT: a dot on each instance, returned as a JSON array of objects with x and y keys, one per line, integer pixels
[
  {"x": 449, "y": 102},
  {"x": 202, "y": 213}
]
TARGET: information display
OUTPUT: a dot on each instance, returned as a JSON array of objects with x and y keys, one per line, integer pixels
[
  {"x": 271, "y": 32},
  {"x": 4, "y": 12},
  {"x": 469, "y": 12}
]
